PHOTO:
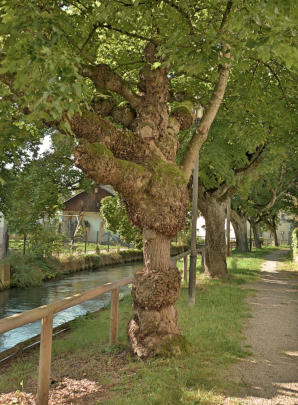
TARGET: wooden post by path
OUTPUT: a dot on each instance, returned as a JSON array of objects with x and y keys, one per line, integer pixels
[
  {"x": 193, "y": 243},
  {"x": 114, "y": 316},
  {"x": 44, "y": 370},
  {"x": 228, "y": 226},
  {"x": 185, "y": 269},
  {"x": 46, "y": 312}
]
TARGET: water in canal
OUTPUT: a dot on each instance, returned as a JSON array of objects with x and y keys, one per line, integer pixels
[{"x": 16, "y": 300}]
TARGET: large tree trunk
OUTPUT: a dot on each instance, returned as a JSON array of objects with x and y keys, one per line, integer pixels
[
  {"x": 240, "y": 228},
  {"x": 272, "y": 227},
  {"x": 276, "y": 243},
  {"x": 155, "y": 291},
  {"x": 139, "y": 160},
  {"x": 215, "y": 243},
  {"x": 255, "y": 230},
  {"x": 140, "y": 163}
]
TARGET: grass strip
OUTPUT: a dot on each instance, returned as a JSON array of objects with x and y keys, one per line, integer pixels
[{"x": 213, "y": 327}]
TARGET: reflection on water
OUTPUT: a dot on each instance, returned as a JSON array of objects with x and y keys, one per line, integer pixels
[{"x": 17, "y": 300}]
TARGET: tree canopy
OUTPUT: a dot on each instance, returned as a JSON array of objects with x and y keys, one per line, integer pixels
[{"x": 121, "y": 77}]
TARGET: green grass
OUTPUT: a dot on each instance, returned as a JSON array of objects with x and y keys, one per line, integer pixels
[
  {"x": 287, "y": 264},
  {"x": 29, "y": 270},
  {"x": 18, "y": 245},
  {"x": 213, "y": 327}
]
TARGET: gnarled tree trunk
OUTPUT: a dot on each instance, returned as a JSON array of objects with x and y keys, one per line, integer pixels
[
  {"x": 139, "y": 161},
  {"x": 214, "y": 212},
  {"x": 138, "y": 158},
  {"x": 240, "y": 228},
  {"x": 155, "y": 291},
  {"x": 255, "y": 230}
]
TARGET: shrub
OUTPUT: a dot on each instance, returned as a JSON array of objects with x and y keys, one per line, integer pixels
[
  {"x": 29, "y": 270},
  {"x": 44, "y": 242}
]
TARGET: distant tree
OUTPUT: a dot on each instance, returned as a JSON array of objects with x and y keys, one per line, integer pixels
[
  {"x": 33, "y": 193},
  {"x": 233, "y": 151},
  {"x": 271, "y": 191},
  {"x": 113, "y": 211}
]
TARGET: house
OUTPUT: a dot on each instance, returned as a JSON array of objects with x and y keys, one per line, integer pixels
[
  {"x": 83, "y": 209},
  {"x": 283, "y": 231}
]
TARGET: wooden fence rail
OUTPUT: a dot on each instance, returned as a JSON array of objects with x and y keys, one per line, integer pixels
[
  {"x": 46, "y": 313},
  {"x": 184, "y": 256}
]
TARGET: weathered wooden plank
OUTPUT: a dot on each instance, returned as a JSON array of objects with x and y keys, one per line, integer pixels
[
  {"x": 185, "y": 269},
  {"x": 114, "y": 316},
  {"x": 200, "y": 250},
  {"x": 15, "y": 321},
  {"x": 44, "y": 370}
]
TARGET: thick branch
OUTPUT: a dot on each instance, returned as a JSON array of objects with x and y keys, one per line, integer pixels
[
  {"x": 201, "y": 133},
  {"x": 183, "y": 13},
  {"x": 272, "y": 71},
  {"x": 92, "y": 32},
  {"x": 127, "y": 33},
  {"x": 263, "y": 209},
  {"x": 254, "y": 161},
  {"x": 103, "y": 77},
  {"x": 225, "y": 15},
  {"x": 123, "y": 144},
  {"x": 236, "y": 217},
  {"x": 99, "y": 164}
]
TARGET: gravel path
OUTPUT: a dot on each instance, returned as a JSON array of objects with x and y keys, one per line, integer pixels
[{"x": 270, "y": 375}]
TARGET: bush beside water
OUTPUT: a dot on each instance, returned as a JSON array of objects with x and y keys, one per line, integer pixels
[{"x": 31, "y": 270}]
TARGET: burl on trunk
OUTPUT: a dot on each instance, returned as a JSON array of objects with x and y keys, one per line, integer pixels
[{"x": 155, "y": 291}]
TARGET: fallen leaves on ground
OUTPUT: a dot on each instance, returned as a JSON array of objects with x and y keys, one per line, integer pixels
[{"x": 68, "y": 391}]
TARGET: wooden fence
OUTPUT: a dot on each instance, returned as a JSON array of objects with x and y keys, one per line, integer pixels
[
  {"x": 46, "y": 313},
  {"x": 184, "y": 256}
]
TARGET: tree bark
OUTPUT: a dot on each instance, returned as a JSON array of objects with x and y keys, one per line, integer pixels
[
  {"x": 213, "y": 211},
  {"x": 272, "y": 228},
  {"x": 240, "y": 228},
  {"x": 139, "y": 161},
  {"x": 193, "y": 242},
  {"x": 255, "y": 230},
  {"x": 276, "y": 243},
  {"x": 155, "y": 290}
]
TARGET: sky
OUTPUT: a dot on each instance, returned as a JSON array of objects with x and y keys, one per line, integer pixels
[{"x": 46, "y": 144}]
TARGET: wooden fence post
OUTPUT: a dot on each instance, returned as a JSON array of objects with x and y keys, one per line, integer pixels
[
  {"x": 44, "y": 370},
  {"x": 185, "y": 269},
  {"x": 114, "y": 316}
]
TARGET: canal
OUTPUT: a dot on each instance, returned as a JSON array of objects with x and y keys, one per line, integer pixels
[{"x": 16, "y": 300}]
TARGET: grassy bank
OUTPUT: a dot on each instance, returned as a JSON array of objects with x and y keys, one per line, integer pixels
[
  {"x": 213, "y": 327},
  {"x": 30, "y": 271},
  {"x": 287, "y": 264}
]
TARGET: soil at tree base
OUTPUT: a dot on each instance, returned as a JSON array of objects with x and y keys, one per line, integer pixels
[{"x": 270, "y": 375}]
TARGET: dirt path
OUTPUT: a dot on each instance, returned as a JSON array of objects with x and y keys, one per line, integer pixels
[{"x": 270, "y": 375}]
